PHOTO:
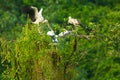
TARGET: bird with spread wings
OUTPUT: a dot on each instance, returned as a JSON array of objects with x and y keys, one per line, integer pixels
[{"x": 36, "y": 16}]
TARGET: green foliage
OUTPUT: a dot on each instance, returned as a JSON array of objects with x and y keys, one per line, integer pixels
[
  {"x": 27, "y": 55},
  {"x": 10, "y": 19}
]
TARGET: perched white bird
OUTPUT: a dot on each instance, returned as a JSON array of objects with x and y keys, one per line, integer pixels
[
  {"x": 73, "y": 21},
  {"x": 77, "y": 22}
]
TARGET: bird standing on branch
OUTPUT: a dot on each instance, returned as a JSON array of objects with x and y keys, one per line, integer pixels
[{"x": 77, "y": 22}]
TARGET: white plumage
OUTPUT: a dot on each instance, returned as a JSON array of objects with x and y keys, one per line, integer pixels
[
  {"x": 38, "y": 15},
  {"x": 51, "y": 33},
  {"x": 73, "y": 21},
  {"x": 64, "y": 33},
  {"x": 55, "y": 37}
]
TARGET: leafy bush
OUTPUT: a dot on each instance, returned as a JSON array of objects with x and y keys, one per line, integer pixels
[{"x": 27, "y": 55}]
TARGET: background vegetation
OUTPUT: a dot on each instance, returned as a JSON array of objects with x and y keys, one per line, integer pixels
[{"x": 27, "y": 55}]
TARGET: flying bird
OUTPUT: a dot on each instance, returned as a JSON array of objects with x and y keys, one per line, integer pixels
[
  {"x": 77, "y": 22},
  {"x": 35, "y": 15}
]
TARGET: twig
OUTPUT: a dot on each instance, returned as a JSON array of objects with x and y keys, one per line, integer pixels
[{"x": 84, "y": 36}]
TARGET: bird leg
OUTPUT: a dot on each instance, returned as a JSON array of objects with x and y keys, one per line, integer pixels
[
  {"x": 46, "y": 21},
  {"x": 38, "y": 28},
  {"x": 49, "y": 26}
]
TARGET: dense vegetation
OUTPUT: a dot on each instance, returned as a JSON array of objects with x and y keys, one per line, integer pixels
[{"x": 27, "y": 55}]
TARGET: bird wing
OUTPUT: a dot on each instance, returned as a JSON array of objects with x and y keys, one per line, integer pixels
[
  {"x": 40, "y": 14},
  {"x": 36, "y": 11}
]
